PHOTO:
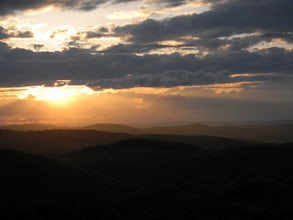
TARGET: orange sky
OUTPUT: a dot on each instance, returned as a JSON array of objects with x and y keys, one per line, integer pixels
[{"x": 80, "y": 105}]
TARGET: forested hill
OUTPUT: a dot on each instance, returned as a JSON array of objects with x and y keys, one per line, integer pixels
[
  {"x": 56, "y": 141},
  {"x": 149, "y": 179},
  {"x": 280, "y": 132},
  {"x": 62, "y": 141}
]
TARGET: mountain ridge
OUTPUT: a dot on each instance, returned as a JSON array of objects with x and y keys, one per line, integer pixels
[{"x": 276, "y": 133}]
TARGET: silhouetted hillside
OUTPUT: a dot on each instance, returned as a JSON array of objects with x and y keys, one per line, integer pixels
[
  {"x": 56, "y": 141},
  {"x": 61, "y": 141},
  {"x": 251, "y": 182},
  {"x": 204, "y": 142},
  {"x": 265, "y": 132},
  {"x": 33, "y": 187},
  {"x": 113, "y": 128},
  {"x": 134, "y": 158},
  {"x": 149, "y": 179}
]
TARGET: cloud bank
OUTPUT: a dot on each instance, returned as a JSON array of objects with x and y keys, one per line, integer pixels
[{"x": 232, "y": 37}]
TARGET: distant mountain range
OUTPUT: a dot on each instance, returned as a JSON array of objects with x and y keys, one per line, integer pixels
[
  {"x": 277, "y": 131},
  {"x": 113, "y": 128},
  {"x": 28, "y": 127},
  {"x": 56, "y": 141},
  {"x": 263, "y": 133},
  {"x": 62, "y": 141}
]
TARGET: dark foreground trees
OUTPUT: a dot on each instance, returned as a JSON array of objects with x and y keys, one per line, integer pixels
[{"x": 146, "y": 179}]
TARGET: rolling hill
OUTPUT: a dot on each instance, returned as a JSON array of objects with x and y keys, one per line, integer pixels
[
  {"x": 183, "y": 182},
  {"x": 35, "y": 187},
  {"x": 149, "y": 179},
  {"x": 55, "y": 141},
  {"x": 62, "y": 141},
  {"x": 270, "y": 132}
]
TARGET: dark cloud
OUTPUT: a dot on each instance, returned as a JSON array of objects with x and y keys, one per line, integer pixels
[
  {"x": 37, "y": 47},
  {"x": 131, "y": 49},
  {"x": 171, "y": 3},
  {"x": 164, "y": 79},
  {"x": 271, "y": 18},
  {"x": 4, "y": 49},
  {"x": 232, "y": 24},
  {"x": 19, "y": 66},
  {"x": 175, "y": 78},
  {"x": 22, "y": 34},
  {"x": 10, "y": 6},
  {"x": 101, "y": 32},
  {"x": 3, "y": 33},
  {"x": 268, "y": 18},
  {"x": 57, "y": 32},
  {"x": 7, "y": 7},
  {"x": 13, "y": 33}
]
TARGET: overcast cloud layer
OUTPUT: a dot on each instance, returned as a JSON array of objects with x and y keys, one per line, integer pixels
[{"x": 208, "y": 49}]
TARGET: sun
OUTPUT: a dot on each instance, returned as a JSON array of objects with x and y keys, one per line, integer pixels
[{"x": 56, "y": 95}]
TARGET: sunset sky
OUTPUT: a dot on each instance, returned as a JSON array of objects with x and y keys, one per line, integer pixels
[{"x": 78, "y": 62}]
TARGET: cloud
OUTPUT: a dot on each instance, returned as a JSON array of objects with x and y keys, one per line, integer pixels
[
  {"x": 7, "y": 7},
  {"x": 228, "y": 25},
  {"x": 165, "y": 79},
  {"x": 22, "y": 34},
  {"x": 271, "y": 18},
  {"x": 21, "y": 66},
  {"x": 11, "y": 6},
  {"x": 37, "y": 47},
  {"x": 101, "y": 32},
  {"x": 124, "y": 15},
  {"x": 182, "y": 78},
  {"x": 215, "y": 29},
  {"x": 131, "y": 49},
  {"x": 216, "y": 42},
  {"x": 12, "y": 32},
  {"x": 58, "y": 32},
  {"x": 3, "y": 33},
  {"x": 4, "y": 48}
]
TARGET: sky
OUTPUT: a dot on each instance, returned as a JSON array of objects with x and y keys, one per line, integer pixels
[{"x": 77, "y": 62}]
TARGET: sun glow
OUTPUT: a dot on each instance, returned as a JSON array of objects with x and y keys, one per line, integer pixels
[{"x": 57, "y": 95}]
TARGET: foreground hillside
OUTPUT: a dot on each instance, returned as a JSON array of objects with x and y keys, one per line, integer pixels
[
  {"x": 149, "y": 179},
  {"x": 34, "y": 187}
]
